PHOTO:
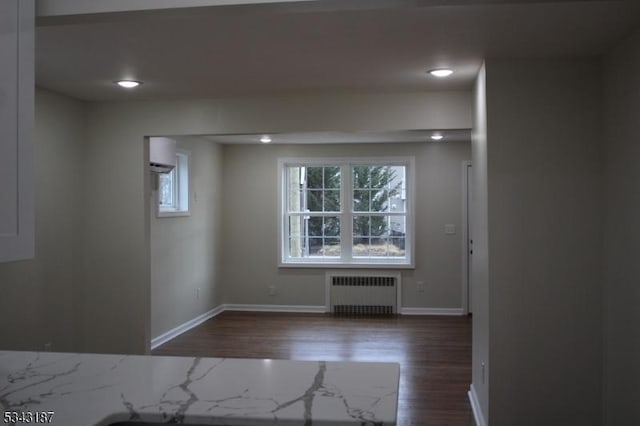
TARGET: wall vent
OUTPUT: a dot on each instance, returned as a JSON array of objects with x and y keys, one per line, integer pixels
[{"x": 363, "y": 294}]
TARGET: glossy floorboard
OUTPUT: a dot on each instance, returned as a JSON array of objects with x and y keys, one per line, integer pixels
[{"x": 434, "y": 352}]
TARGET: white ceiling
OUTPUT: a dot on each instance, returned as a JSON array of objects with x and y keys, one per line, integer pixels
[
  {"x": 303, "y": 47},
  {"x": 311, "y": 47}
]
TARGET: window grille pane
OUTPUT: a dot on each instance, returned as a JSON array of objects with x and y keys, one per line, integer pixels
[
  {"x": 331, "y": 226},
  {"x": 295, "y": 194},
  {"x": 167, "y": 190},
  {"x": 360, "y": 247},
  {"x": 332, "y": 201},
  {"x": 378, "y": 247},
  {"x": 314, "y": 226},
  {"x": 315, "y": 246},
  {"x": 360, "y": 177},
  {"x": 361, "y": 226},
  {"x": 315, "y": 177},
  {"x": 313, "y": 189},
  {"x": 397, "y": 226},
  {"x": 379, "y": 188},
  {"x": 294, "y": 200},
  {"x": 396, "y": 247},
  {"x": 313, "y": 236},
  {"x": 296, "y": 247},
  {"x": 379, "y": 200},
  {"x": 397, "y": 204},
  {"x": 332, "y": 177},
  {"x": 361, "y": 200},
  {"x": 314, "y": 201},
  {"x": 296, "y": 226},
  {"x": 379, "y": 236},
  {"x": 331, "y": 247},
  {"x": 379, "y": 226},
  {"x": 398, "y": 189}
]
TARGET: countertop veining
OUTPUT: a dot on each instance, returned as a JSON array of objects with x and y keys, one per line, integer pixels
[{"x": 98, "y": 389}]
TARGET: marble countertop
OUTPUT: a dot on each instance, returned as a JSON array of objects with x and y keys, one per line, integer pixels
[{"x": 96, "y": 389}]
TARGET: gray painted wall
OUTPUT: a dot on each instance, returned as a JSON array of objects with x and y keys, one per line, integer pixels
[
  {"x": 115, "y": 242},
  {"x": 622, "y": 234},
  {"x": 115, "y": 269},
  {"x": 479, "y": 274},
  {"x": 544, "y": 217},
  {"x": 250, "y": 238},
  {"x": 39, "y": 299},
  {"x": 186, "y": 251}
]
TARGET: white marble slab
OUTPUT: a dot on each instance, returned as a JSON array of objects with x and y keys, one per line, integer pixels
[{"x": 93, "y": 389}]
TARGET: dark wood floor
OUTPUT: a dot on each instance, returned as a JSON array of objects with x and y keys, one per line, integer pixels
[{"x": 434, "y": 352}]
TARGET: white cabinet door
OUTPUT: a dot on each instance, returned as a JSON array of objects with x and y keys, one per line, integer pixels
[{"x": 17, "y": 87}]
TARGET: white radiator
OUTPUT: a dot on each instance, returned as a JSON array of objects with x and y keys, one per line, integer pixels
[{"x": 363, "y": 294}]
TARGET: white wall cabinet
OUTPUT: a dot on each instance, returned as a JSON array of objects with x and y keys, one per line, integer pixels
[{"x": 17, "y": 86}]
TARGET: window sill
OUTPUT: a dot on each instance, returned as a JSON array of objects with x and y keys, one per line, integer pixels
[
  {"x": 354, "y": 265},
  {"x": 161, "y": 215}
]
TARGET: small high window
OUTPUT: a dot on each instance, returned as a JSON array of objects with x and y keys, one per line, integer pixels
[{"x": 173, "y": 188}]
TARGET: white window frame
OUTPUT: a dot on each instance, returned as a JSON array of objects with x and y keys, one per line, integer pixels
[
  {"x": 182, "y": 205},
  {"x": 346, "y": 260}
]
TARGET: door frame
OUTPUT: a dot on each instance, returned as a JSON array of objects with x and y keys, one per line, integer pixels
[{"x": 466, "y": 205}]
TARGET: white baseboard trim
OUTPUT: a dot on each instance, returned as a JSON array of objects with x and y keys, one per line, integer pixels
[
  {"x": 432, "y": 311},
  {"x": 275, "y": 308},
  {"x": 165, "y": 337},
  {"x": 475, "y": 407}
]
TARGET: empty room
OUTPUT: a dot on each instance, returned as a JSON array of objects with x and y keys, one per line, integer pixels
[{"x": 319, "y": 212}]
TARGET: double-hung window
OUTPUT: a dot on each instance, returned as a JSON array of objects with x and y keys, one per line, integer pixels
[{"x": 346, "y": 212}]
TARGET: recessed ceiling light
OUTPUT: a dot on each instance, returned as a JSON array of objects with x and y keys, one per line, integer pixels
[
  {"x": 128, "y": 84},
  {"x": 436, "y": 136},
  {"x": 265, "y": 139},
  {"x": 441, "y": 72}
]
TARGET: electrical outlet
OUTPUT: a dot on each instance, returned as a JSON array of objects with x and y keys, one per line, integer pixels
[
  {"x": 272, "y": 290},
  {"x": 420, "y": 286}
]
